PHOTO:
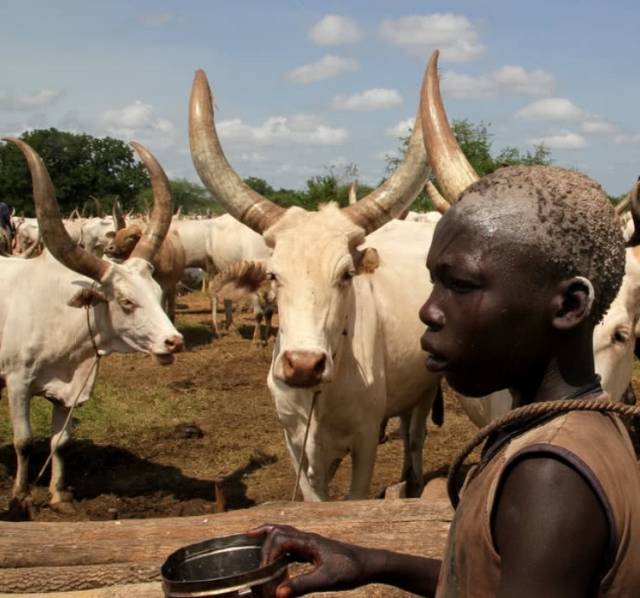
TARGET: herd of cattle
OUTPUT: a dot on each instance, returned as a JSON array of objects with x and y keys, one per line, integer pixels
[{"x": 348, "y": 284}]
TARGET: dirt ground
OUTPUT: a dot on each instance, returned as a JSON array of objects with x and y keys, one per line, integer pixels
[{"x": 153, "y": 440}]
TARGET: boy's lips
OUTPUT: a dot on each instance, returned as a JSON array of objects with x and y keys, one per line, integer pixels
[{"x": 435, "y": 362}]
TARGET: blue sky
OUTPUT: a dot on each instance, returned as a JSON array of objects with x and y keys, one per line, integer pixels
[{"x": 301, "y": 85}]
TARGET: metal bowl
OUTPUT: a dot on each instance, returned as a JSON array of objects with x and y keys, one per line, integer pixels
[{"x": 228, "y": 566}]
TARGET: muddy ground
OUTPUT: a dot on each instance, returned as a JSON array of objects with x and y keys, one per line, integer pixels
[{"x": 153, "y": 440}]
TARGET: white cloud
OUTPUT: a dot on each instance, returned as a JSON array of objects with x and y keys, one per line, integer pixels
[
  {"x": 598, "y": 126},
  {"x": 156, "y": 19},
  {"x": 627, "y": 138},
  {"x": 138, "y": 121},
  {"x": 334, "y": 30},
  {"x": 38, "y": 99},
  {"x": 552, "y": 109},
  {"x": 402, "y": 129},
  {"x": 509, "y": 80},
  {"x": 564, "y": 140},
  {"x": 302, "y": 128},
  {"x": 419, "y": 35},
  {"x": 255, "y": 157},
  {"x": 327, "y": 67},
  {"x": 370, "y": 99}
]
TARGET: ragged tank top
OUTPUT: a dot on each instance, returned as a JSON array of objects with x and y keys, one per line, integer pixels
[{"x": 594, "y": 444}]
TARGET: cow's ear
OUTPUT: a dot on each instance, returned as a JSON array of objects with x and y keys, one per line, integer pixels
[
  {"x": 367, "y": 261},
  {"x": 87, "y": 298}
]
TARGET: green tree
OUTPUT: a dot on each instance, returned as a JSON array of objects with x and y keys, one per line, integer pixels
[
  {"x": 189, "y": 197},
  {"x": 81, "y": 167},
  {"x": 475, "y": 143}
]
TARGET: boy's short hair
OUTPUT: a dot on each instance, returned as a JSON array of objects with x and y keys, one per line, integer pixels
[{"x": 565, "y": 216}]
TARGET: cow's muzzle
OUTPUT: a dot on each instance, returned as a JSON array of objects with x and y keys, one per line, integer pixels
[
  {"x": 173, "y": 344},
  {"x": 303, "y": 368}
]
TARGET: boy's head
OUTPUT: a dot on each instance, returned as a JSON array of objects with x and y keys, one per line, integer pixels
[{"x": 527, "y": 254}]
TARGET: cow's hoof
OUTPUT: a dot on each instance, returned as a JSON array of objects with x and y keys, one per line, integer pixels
[
  {"x": 64, "y": 507},
  {"x": 60, "y": 497},
  {"x": 20, "y": 508}
]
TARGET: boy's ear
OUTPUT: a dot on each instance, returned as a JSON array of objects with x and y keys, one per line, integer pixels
[{"x": 572, "y": 303}]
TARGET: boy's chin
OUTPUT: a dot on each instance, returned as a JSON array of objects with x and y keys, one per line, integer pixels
[{"x": 472, "y": 387}]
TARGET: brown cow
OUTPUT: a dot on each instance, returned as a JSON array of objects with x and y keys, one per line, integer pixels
[{"x": 168, "y": 263}]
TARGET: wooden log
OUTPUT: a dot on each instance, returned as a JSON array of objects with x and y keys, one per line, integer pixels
[{"x": 48, "y": 557}]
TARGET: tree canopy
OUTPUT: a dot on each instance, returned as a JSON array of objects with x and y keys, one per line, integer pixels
[
  {"x": 81, "y": 167},
  {"x": 475, "y": 142}
]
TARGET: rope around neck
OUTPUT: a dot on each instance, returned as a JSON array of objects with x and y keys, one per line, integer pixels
[
  {"x": 304, "y": 446},
  {"x": 94, "y": 367},
  {"x": 534, "y": 409}
]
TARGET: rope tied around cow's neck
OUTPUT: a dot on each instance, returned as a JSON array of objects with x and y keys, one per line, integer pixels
[
  {"x": 304, "y": 446},
  {"x": 527, "y": 411},
  {"x": 94, "y": 367}
]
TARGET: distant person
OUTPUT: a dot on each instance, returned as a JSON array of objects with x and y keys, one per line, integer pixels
[{"x": 7, "y": 227}]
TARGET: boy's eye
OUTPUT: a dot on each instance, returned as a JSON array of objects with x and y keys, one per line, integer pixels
[{"x": 460, "y": 285}]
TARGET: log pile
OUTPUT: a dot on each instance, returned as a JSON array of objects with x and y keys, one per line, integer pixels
[{"x": 123, "y": 558}]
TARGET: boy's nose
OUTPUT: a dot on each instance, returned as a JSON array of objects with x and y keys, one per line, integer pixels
[{"x": 432, "y": 316}]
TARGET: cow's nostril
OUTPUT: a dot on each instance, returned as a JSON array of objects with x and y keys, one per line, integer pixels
[
  {"x": 174, "y": 344},
  {"x": 318, "y": 368}
]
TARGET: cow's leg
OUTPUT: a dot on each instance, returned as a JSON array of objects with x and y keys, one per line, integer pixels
[
  {"x": 414, "y": 433},
  {"x": 309, "y": 492},
  {"x": 60, "y": 435},
  {"x": 257, "y": 331},
  {"x": 214, "y": 315},
  {"x": 228, "y": 313},
  {"x": 363, "y": 458},
  {"x": 268, "y": 317},
  {"x": 171, "y": 304},
  {"x": 19, "y": 404}
]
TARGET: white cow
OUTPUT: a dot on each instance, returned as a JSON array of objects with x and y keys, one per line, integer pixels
[
  {"x": 349, "y": 330},
  {"x": 194, "y": 235},
  {"x": 27, "y": 233},
  {"x": 230, "y": 242},
  {"x": 47, "y": 343}
]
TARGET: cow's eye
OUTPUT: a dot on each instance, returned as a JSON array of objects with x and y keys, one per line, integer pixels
[
  {"x": 271, "y": 276},
  {"x": 620, "y": 336},
  {"x": 126, "y": 304}
]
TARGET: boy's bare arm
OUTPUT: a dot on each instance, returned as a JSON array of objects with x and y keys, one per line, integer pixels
[
  {"x": 550, "y": 530},
  {"x": 339, "y": 566}
]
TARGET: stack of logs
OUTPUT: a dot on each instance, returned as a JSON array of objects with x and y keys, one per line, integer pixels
[{"x": 123, "y": 558}]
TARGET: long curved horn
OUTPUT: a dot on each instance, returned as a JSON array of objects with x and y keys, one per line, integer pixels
[
  {"x": 353, "y": 193},
  {"x": 634, "y": 208},
  {"x": 160, "y": 220},
  {"x": 449, "y": 164},
  {"x": 439, "y": 202},
  {"x": 55, "y": 236},
  {"x": 398, "y": 192},
  {"x": 242, "y": 202},
  {"x": 624, "y": 205},
  {"x": 118, "y": 216}
]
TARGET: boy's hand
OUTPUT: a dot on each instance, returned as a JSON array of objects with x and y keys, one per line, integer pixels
[{"x": 337, "y": 566}]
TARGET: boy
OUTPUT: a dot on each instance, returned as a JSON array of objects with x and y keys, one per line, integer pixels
[{"x": 523, "y": 267}]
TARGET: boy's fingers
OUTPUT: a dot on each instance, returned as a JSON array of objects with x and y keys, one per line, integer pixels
[
  {"x": 261, "y": 530},
  {"x": 315, "y": 581}
]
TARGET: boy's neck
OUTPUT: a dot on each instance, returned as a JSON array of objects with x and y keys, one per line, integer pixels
[{"x": 568, "y": 372}]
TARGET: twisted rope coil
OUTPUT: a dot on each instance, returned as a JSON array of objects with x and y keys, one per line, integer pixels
[{"x": 532, "y": 410}]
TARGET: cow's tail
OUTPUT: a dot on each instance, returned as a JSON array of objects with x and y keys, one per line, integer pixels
[{"x": 437, "y": 409}]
